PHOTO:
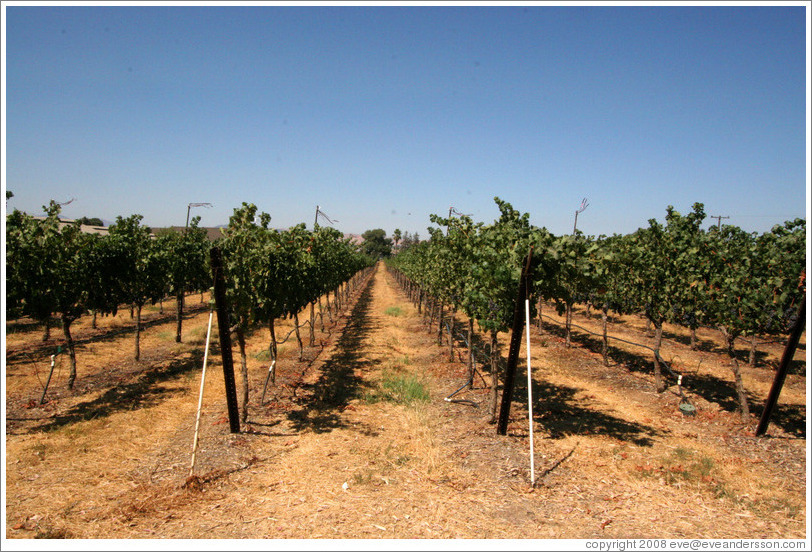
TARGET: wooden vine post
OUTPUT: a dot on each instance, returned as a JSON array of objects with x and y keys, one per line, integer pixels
[
  {"x": 515, "y": 345},
  {"x": 781, "y": 373},
  {"x": 225, "y": 338}
]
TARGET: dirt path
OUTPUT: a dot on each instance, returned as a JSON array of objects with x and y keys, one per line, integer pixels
[{"x": 339, "y": 451}]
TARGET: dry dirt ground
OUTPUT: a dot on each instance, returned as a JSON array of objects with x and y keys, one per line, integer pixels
[{"x": 334, "y": 451}]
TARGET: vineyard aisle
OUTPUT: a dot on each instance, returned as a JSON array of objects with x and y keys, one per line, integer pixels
[{"x": 348, "y": 447}]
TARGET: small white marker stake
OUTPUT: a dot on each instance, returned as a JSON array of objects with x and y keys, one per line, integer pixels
[
  {"x": 200, "y": 400},
  {"x": 529, "y": 391}
]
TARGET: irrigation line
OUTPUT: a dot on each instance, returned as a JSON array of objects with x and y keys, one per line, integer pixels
[
  {"x": 271, "y": 369},
  {"x": 463, "y": 339},
  {"x": 469, "y": 382},
  {"x": 33, "y": 363},
  {"x": 47, "y": 383},
  {"x": 291, "y": 332},
  {"x": 659, "y": 357},
  {"x": 302, "y": 325},
  {"x": 473, "y": 349}
]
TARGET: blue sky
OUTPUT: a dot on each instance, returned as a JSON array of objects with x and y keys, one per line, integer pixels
[{"x": 384, "y": 114}]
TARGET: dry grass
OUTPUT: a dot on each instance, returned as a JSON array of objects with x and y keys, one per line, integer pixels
[
  {"x": 320, "y": 460},
  {"x": 707, "y": 361}
]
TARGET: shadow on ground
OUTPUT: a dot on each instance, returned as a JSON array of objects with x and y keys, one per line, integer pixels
[
  {"x": 790, "y": 418},
  {"x": 560, "y": 413},
  {"x": 557, "y": 408},
  {"x": 340, "y": 380},
  {"x": 142, "y": 393}
]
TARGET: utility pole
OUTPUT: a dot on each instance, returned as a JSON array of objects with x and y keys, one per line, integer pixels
[
  {"x": 189, "y": 208},
  {"x": 719, "y": 221},
  {"x": 322, "y": 214},
  {"x": 581, "y": 209}
]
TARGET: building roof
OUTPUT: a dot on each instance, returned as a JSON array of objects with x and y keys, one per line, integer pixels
[{"x": 85, "y": 228}]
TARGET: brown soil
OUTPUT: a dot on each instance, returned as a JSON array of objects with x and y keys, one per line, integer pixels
[{"x": 328, "y": 456}]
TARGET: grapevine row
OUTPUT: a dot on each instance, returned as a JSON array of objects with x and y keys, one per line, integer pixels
[
  {"x": 53, "y": 269},
  {"x": 741, "y": 283}
]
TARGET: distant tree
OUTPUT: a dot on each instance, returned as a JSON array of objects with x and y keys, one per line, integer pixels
[
  {"x": 90, "y": 221},
  {"x": 376, "y": 244},
  {"x": 396, "y": 235},
  {"x": 408, "y": 240}
]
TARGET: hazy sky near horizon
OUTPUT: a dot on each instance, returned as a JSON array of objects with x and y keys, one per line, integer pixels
[{"x": 382, "y": 115}]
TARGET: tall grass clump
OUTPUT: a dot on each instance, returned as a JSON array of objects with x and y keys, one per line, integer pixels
[{"x": 399, "y": 388}]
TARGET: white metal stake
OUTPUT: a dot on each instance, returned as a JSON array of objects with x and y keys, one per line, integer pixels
[
  {"x": 48, "y": 381},
  {"x": 529, "y": 392},
  {"x": 200, "y": 400}
]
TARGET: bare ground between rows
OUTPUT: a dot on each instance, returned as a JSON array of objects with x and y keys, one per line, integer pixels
[
  {"x": 706, "y": 371},
  {"x": 108, "y": 379},
  {"x": 320, "y": 460}
]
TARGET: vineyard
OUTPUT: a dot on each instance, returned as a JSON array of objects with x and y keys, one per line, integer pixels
[
  {"x": 272, "y": 274},
  {"x": 368, "y": 391},
  {"x": 744, "y": 285}
]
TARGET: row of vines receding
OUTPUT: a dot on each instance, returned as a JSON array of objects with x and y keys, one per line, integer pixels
[
  {"x": 744, "y": 284},
  {"x": 54, "y": 269}
]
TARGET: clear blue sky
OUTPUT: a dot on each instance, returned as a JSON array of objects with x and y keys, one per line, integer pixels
[{"x": 383, "y": 115}]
